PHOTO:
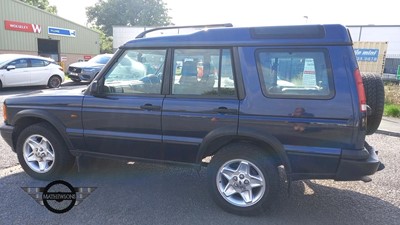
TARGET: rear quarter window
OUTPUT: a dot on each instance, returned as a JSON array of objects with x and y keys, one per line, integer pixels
[
  {"x": 39, "y": 63},
  {"x": 295, "y": 73}
]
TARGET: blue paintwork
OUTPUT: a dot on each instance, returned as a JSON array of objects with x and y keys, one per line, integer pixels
[{"x": 185, "y": 128}]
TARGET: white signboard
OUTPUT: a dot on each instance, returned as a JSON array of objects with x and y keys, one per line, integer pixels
[
  {"x": 309, "y": 77},
  {"x": 61, "y": 31}
]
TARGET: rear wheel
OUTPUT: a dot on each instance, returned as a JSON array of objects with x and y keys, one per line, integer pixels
[
  {"x": 42, "y": 152},
  {"x": 54, "y": 82},
  {"x": 242, "y": 179},
  {"x": 375, "y": 94}
]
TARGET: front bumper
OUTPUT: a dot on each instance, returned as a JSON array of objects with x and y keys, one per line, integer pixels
[
  {"x": 6, "y": 132},
  {"x": 354, "y": 165},
  {"x": 81, "y": 76}
]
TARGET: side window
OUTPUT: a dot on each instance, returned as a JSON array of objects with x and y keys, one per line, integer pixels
[
  {"x": 19, "y": 63},
  {"x": 38, "y": 63},
  {"x": 136, "y": 72},
  {"x": 205, "y": 72},
  {"x": 295, "y": 74}
]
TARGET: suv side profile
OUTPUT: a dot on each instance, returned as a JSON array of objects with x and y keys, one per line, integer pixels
[{"x": 252, "y": 99}]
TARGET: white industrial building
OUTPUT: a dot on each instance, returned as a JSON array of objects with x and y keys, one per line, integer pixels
[{"x": 122, "y": 34}]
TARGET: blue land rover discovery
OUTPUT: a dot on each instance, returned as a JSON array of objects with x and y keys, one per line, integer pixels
[{"x": 251, "y": 99}]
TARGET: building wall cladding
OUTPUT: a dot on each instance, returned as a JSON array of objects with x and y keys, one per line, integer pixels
[{"x": 86, "y": 41}]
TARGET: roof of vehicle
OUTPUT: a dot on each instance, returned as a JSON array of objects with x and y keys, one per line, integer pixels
[{"x": 332, "y": 34}]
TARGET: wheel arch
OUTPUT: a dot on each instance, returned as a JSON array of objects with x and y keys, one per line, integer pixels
[
  {"x": 216, "y": 139},
  {"x": 55, "y": 75},
  {"x": 29, "y": 117}
]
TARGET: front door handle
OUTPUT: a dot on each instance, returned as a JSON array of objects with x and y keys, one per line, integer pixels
[
  {"x": 225, "y": 110},
  {"x": 150, "y": 107}
]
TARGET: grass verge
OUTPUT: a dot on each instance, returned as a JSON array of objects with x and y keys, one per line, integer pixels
[
  {"x": 392, "y": 100},
  {"x": 392, "y": 110}
]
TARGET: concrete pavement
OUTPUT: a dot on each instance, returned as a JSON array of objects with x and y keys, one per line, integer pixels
[{"x": 389, "y": 126}]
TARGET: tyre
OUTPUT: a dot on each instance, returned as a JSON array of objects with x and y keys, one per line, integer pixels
[
  {"x": 54, "y": 82},
  {"x": 242, "y": 179},
  {"x": 42, "y": 153},
  {"x": 375, "y": 94}
]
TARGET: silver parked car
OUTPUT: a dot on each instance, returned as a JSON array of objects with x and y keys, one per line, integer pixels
[
  {"x": 86, "y": 71},
  {"x": 29, "y": 70}
]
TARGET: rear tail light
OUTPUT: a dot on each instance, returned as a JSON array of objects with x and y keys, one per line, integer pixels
[
  {"x": 362, "y": 100},
  {"x": 60, "y": 68}
]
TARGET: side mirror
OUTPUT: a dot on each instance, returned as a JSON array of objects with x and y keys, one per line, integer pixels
[
  {"x": 94, "y": 88},
  {"x": 10, "y": 67}
]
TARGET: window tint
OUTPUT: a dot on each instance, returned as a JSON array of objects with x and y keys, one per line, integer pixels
[
  {"x": 100, "y": 59},
  {"x": 295, "y": 74},
  {"x": 136, "y": 72},
  {"x": 19, "y": 63},
  {"x": 205, "y": 72},
  {"x": 39, "y": 63}
]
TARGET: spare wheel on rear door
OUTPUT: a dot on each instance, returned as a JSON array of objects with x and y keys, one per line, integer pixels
[{"x": 375, "y": 94}]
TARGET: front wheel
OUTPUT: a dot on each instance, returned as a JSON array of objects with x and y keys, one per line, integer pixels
[
  {"x": 242, "y": 179},
  {"x": 42, "y": 153}
]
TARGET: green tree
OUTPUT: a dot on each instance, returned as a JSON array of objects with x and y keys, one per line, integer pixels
[
  {"x": 106, "y": 42},
  {"x": 42, "y": 4},
  {"x": 105, "y": 14}
]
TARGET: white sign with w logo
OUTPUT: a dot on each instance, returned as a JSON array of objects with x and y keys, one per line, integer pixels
[{"x": 36, "y": 28}]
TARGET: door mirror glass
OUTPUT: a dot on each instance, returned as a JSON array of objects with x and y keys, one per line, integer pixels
[
  {"x": 93, "y": 88},
  {"x": 10, "y": 67}
]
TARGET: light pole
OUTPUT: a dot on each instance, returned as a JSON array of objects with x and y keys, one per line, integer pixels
[{"x": 306, "y": 18}]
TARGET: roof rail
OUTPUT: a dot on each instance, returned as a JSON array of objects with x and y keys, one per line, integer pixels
[{"x": 141, "y": 35}]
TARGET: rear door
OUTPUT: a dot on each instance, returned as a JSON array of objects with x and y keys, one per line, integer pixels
[
  {"x": 40, "y": 71},
  {"x": 203, "y": 99}
]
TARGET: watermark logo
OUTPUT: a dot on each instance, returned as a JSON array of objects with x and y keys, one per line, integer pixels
[{"x": 59, "y": 196}]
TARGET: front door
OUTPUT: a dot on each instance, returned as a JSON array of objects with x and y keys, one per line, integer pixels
[
  {"x": 125, "y": 118},
  {"x": 20, "y": 76}
]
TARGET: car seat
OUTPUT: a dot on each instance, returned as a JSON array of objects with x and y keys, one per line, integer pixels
[
  {"x": 188, "y": 81},
  {"x": 189, "y": 73},
  {"x": 208, "y": 80}
]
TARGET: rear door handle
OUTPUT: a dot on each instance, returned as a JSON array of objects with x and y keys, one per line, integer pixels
[
  {"x": 150, "y": 107},
  {"x": 225, "y": 110}
]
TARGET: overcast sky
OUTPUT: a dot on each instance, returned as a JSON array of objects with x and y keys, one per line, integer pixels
[{"x": 260, "y": 12}]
